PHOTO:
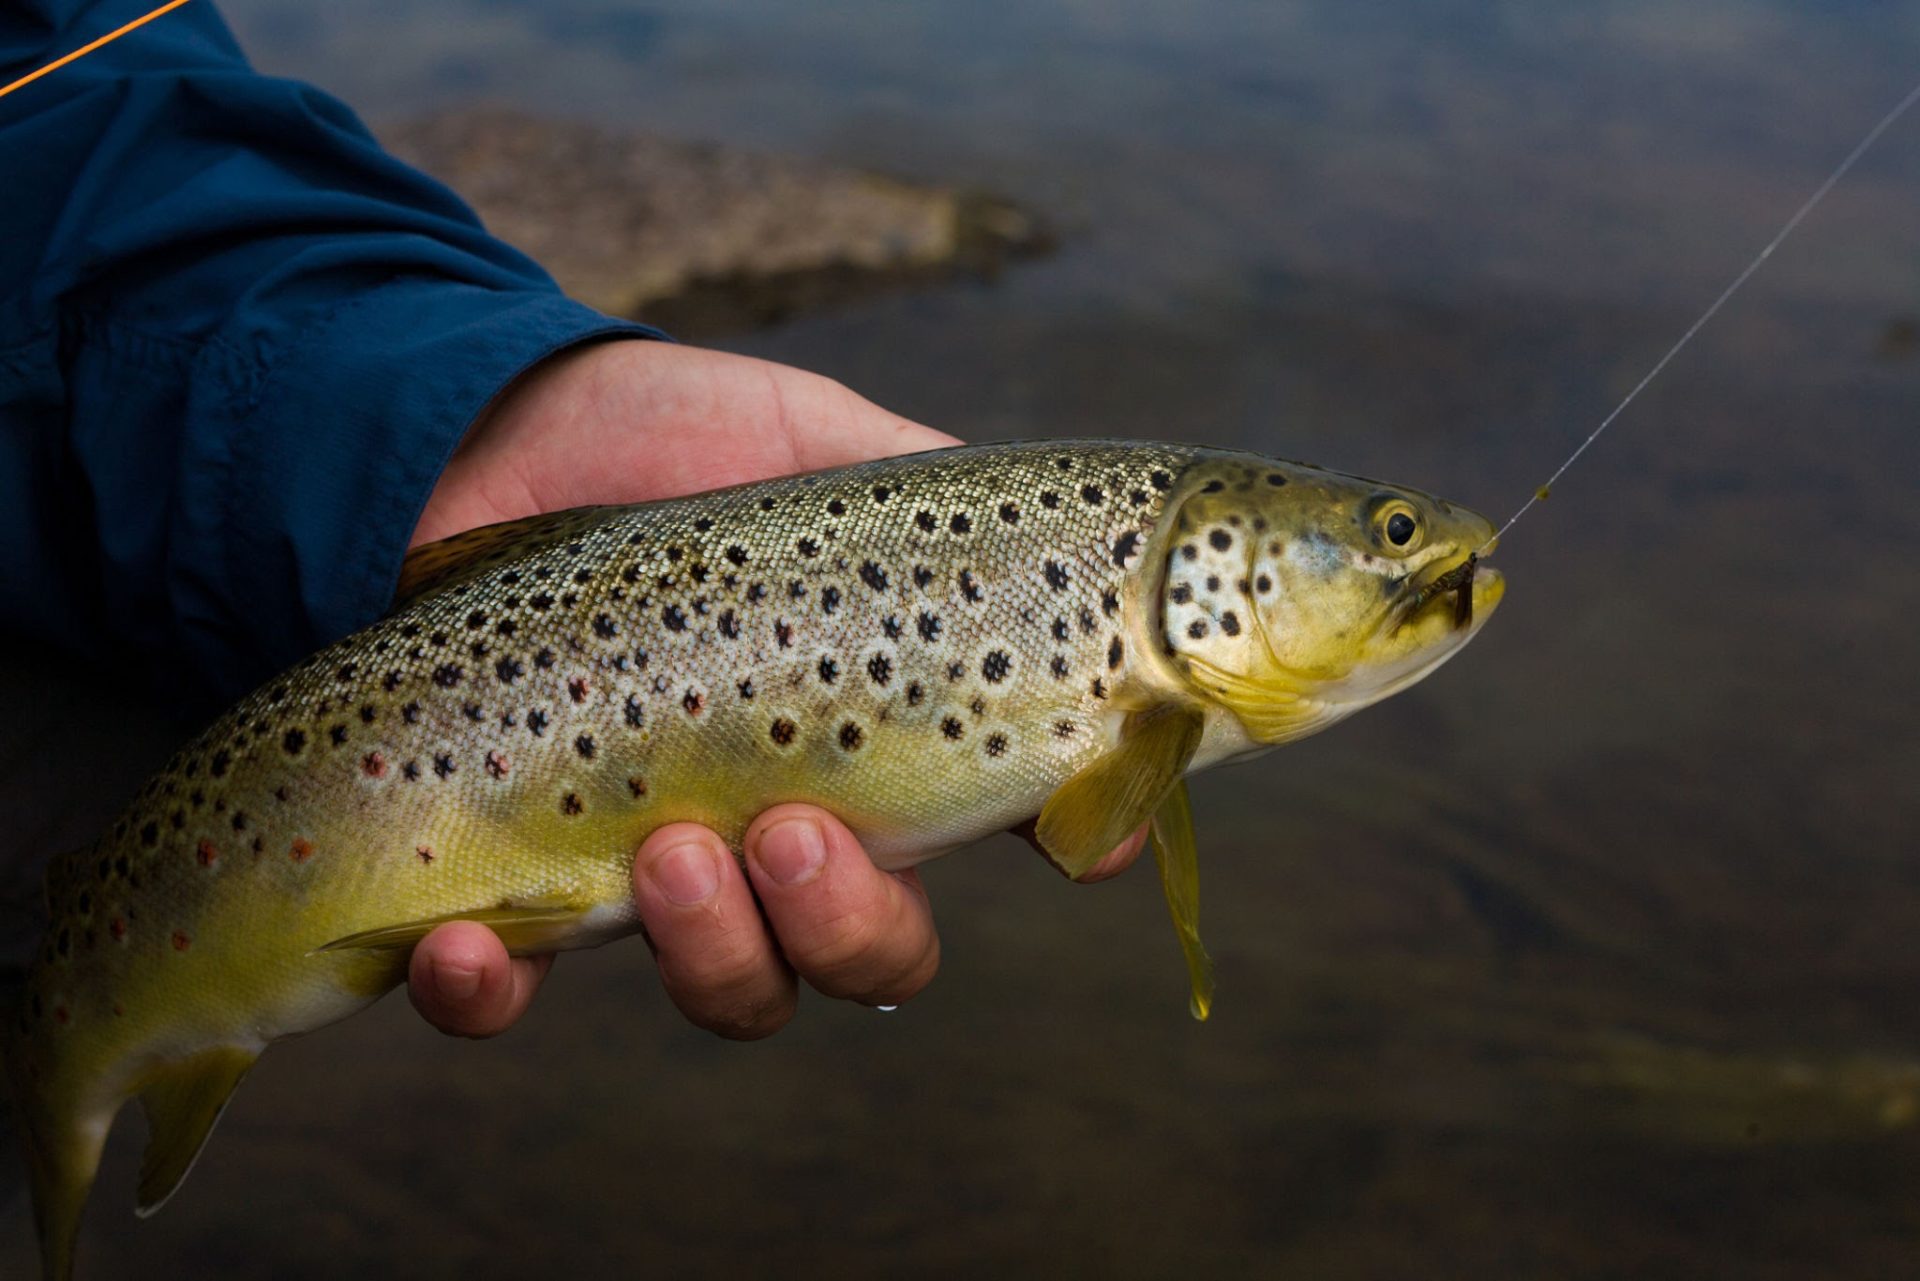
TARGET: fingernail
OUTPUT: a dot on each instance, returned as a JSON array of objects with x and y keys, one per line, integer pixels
[
  {"x": 456, "y": 982},
  {"x": 792, "y": 851},
  {"x": 686, "y": 874}
]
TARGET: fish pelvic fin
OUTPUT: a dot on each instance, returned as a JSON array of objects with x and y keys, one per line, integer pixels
[
  {"x": 182, "y": 1101},
  {"x": 525, "y": 929},
  {"x": 1098, "y": 807}
]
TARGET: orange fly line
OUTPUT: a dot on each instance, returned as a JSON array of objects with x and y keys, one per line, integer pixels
[{"x": 86, "y": 49}]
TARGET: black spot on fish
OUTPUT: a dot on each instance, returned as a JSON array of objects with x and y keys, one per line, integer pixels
[
  {"x": 1010, "y": 513},
  {"x": 1161, "y": 480},
  {"x": 729, "y": 625},
  {"x": 1220, "y": 539},
  {"x": 746, "y": 689},
  {"x": 1124, "y": 547},
  {"x": 766, "y": 504},
  {"x": 951, "y": 727},
  {"x": 968, "y": 587},
  {"x": 926, "y": 521},
  {"x": 756, "y": 592},
  {"x": 543, "y": 601},
  {"x": 1092, "y": 495},
  {"x": 835, "y": 507},
  {"x": 829, "y": 599},
  {"x": 443, "y": 765},
  {"x": 150, "y": 834},
  {"x": 881, "y": 493},
  {"x": 1138, "y": 498},
  {"x": 880, "y": 669},
  {"x": 891, "y": 626},
  {"x": 1263, "y": 584},
  {"x": 1115, "y": 651},
  {"x": 782, "y": 731},
  {"x": 536, "y": 721},
  {"x": 675, "y": 620},
  {"x": 996, "y": 744},
  {"x": 1189, "y": 552},
  {"x": 995, "y": 666},
  {"x": 1099, "y": 688},
  {"x": 922, "y": 576},
  {"x": 447, "y": 675},
  {"x": 1049, "y": 500},
  {"x": 703, "y": 524},
  {"x": 796, "y": 590},
  {"x": 1230, "y": 623},
  {"x": 1060, "y": 629},
  {"x": 960, "y": 524},
  {"x": 694, "y": 701},
  {"x": 293, "y": 741},
  {"x": 1109, "y": 603},
  {"x": 1088, "y": 623},
  {"x": 807, "y": 547},
  {"x": 829, "y": 670},
  {"x": 851, "y": 736},
  {"x": 783, "y": 632},
  {"x": 543, "y": 659},
  {"x": 915, "y": 693},
  {"x": 584, "y": 746},
  {"x": 737, "y": 554},
  {"x": 674, "y": 554},
  {"x": 506, "y": 627},
  {"x": 1059, "y": 667},
  {"x": 218, "y": 765},
  {"x": 1213, "y": 487},
  {"x": 1057, "y": 576},
  {"x": 636, "y": 713},
  {"x": 929, "y": 626},
  {"x": 956, "y": 670},
  {"x": 1063, "y": 729},
  {"x": 1275, "y": 479},
  {"x": 1197, "y": 628},
  {"x": 604, "y": 627},
  {"x": 1213, "y": 582},
  {"x": 392, "y": 682},
  {"x": 873, "y": 576},
  {"x": 571, "y": 805}
]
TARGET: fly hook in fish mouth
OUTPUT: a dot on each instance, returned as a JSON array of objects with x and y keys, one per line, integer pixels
[{"x": 1458, "y": 580}]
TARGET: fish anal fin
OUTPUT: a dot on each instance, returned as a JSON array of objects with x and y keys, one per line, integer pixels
[
  {"x": 525, "y": 929},
  {"x": 182, "y": 1101},
  {"x": 1098, "y": 807},
  {"x": 1177, "y": 854},
  {"x": 434, "y": 565}
]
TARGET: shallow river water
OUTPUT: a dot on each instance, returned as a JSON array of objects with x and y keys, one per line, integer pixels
[{"x": 1598, "y": 954}]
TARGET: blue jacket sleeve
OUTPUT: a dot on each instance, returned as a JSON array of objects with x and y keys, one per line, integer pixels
[{"x": 238, "y": 342}]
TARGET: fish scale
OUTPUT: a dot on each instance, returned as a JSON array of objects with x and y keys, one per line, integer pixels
[{"x": 931, "y": 647}]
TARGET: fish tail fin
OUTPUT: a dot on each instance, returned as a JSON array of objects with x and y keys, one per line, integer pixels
[{"x": 62, "y": 1151}]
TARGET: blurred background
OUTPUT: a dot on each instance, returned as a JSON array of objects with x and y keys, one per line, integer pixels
[{"x": 1595, "y": 955}]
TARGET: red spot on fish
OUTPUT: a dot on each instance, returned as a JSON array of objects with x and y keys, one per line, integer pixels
[
  {"x": 374, "y": 765},
  {"x": 207, "y": 854},
  {"x": 302, "y": 849},
  {"x": 118, "y": 928},
  {"x": 60, "y": 1014},
  {"x": 119, "y": 1008},
  {"x": 497, "y": 764},
  {"x": 578, "y": 688},
  {"x": 180, "y": 941},
  {"x": 425, "y": 853}
]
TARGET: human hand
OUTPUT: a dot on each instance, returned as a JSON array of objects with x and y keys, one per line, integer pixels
[{"x": 624, "y": 422}]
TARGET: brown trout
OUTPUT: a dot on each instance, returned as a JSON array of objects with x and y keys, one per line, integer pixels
[{"x": 933, "y": 647}]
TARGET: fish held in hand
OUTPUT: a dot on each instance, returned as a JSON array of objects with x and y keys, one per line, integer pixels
[{"x": 933, "y": 647}]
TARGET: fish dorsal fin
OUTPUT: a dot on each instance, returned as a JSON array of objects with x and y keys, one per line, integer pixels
[
  {"x": 182, "y": 1101},
  {"x": 1096, "y": 809},
  {"x": 1178, "y": 856},
  {"x": 431, "y": 566},
  {"x": 525, "y": 929}
]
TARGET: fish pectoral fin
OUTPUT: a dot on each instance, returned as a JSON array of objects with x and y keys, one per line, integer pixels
[
  {"x": 1178, "y": 856},
  {"x": 525, "y": 928},
  {"x": 182, "y": 1101},
  {"x": 1096, "y": 809}
]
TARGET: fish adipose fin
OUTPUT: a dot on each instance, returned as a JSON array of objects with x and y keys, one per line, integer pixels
[
  {"x": 182, "y": 1102},
  {"x": 1174, "y": 850},
  {"x": 1097, "y": 808},
  {"x": 525, "y": 929}
]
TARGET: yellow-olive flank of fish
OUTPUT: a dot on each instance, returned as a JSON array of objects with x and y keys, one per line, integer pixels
[{"x": 933, "y": 647}]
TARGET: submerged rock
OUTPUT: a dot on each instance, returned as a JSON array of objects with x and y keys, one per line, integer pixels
[{"x": 702, "y": 238}]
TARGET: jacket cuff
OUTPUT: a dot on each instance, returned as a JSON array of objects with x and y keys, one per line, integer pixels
[{"x": 308, "y": 497}]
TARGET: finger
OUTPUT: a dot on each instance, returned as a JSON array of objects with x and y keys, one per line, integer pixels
[
  {"x": 463, "y": 982},
  {"x": 850, "y": 929},
  {"x": 1119, "y": 860},
  {"x": 717, "y": 961}
]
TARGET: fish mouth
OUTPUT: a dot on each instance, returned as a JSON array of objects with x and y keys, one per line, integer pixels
[{"x": 1460, "y": 584}]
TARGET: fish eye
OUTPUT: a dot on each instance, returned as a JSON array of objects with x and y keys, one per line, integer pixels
[{"x": 1399, "y": 525}]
